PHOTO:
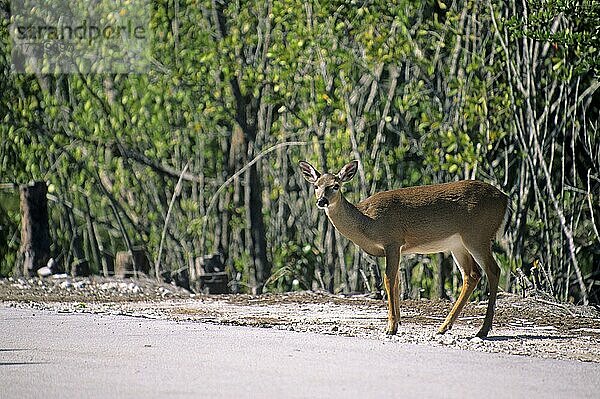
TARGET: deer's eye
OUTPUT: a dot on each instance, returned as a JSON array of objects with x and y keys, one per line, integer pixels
[{"x": 336, "y": 187}]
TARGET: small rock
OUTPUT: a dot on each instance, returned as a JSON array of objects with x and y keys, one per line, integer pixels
[
  {"x": 44, "y": 271},
  {"x": 108, "y": 286},
  {"x": 66, "y": 284},
  {"x": 476, "y": 340},
  {"x": 449, "y": 341}
]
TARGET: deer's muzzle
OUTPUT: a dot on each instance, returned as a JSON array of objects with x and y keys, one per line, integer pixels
[{"x": 322, "y": 202}]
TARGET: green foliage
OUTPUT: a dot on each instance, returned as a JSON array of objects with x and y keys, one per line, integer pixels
[
  {"x": 422, "y": 92},
  {"x": 293, "y": 267},
  {"x": 9, "y": 232},
  {"x": 570, "y": 27}
]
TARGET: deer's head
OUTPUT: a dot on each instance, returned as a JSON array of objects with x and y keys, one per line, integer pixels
[{"x": 327, "y": 185}]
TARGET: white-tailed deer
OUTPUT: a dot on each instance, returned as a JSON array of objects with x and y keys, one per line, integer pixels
[{"x": 461, "y": 217}]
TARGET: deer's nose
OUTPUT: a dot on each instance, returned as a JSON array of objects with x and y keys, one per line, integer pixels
[{"x": 322, "y": 202}]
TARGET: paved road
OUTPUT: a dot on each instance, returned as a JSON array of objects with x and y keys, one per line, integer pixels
[{"x": 50, "y": 355}]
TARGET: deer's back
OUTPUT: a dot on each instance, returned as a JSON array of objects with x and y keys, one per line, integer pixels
[{"x": 445, "y": 208}]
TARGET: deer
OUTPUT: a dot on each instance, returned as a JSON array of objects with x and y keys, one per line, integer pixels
[{"x": 462, "y": 217}]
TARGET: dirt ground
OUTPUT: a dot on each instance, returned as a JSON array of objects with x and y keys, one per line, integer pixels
[{"x": 532, "y": 326}]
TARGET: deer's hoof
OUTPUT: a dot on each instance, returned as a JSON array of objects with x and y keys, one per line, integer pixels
[
  {"x": 392, "y": 330},
  {"x": 483, "y": 333},
  {"x": 444, "y": 329}
]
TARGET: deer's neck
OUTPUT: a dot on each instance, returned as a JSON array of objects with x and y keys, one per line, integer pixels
[{"x": 349, "y": 221}]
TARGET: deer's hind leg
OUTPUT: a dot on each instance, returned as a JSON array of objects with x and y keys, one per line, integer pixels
[
  {"x": 483, "y": 256},
  {"x": 471, "y": 276},
  {"x": 390, "y": 280}
]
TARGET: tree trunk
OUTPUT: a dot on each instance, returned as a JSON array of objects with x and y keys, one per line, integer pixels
[
  {"x": 35, "y": 231},
  {"x": 247, "y": 107},
  {"x": 262, "y": 267}
]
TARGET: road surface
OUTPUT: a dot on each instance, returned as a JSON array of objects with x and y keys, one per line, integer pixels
[{"x": 54, "y": 355}]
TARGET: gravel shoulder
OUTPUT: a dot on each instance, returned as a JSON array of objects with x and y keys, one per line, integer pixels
[{"x": 532, "y": 326}]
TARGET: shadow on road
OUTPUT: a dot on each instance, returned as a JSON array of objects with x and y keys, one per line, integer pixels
[
  {"x": 16, "y": 363},
  {"x": 21, "y": 363},
  {"x": 521, "y": 337}
]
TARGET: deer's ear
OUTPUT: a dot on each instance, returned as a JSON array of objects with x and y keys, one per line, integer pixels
[
  {"x": 348, "y": 171},
  {"x": 309, "y": 172}
]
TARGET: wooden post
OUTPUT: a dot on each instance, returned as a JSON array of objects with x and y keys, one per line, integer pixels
[
  {"x": 125, "y": 265},
  {"x": 35, "y": 231}
]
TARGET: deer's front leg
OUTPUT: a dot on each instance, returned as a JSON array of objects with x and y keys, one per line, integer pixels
[{"x": 390, "y": 280}]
